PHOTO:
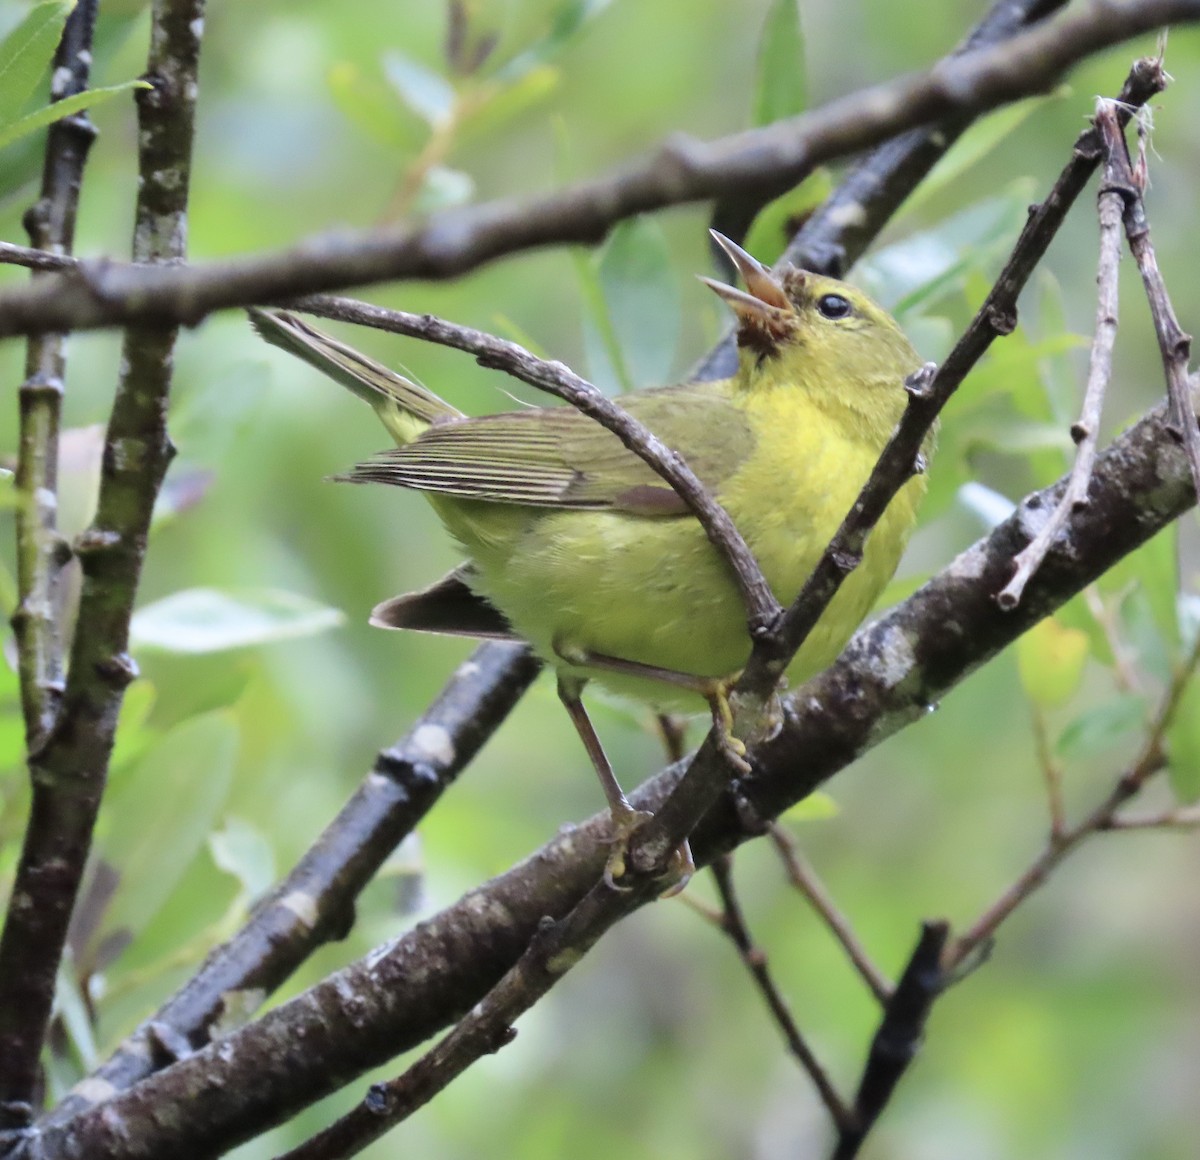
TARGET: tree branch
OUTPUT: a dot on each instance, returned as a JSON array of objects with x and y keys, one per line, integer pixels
[
  {"x": 70, "y": 765},
  {"x": 887, "y": 677},
  {"x": 41, "y": 552},
  {"x": 683, "y": 171},
  {"x": 315, "y": 903}
]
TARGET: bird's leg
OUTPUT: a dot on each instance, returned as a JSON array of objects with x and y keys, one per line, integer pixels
[
  {"x": 715, "y": 690},
  {"x": 625, "y": 819}
]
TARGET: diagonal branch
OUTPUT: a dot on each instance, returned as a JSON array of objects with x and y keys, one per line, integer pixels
[
  {"x": 315, "y": 902},
  {"x": 683, "y": 170},
  {"x": 70, "y": 764}
]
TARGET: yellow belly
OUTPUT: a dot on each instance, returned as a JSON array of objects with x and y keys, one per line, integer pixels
[{"x": 654, "y": 591}]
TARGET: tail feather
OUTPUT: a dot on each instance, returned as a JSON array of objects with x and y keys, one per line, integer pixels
[{"x": 404, "y": 407}]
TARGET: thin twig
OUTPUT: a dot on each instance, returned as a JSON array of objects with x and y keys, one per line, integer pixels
[
  {"x": 1174, "y": 345},
  {"x": 804, "y": 878},
  {"x": 1051, "y": 773},
  {"x": 70, "y": 765},
  {"x": 733, "y": 923},
  {"x": 1181, "y": 818},
  {"x": 1085, "y": 432},
  {"x": 1150, "y": 759},
  {"x": 683, "y": 170},
  {"x": 762, "y": 609},
  {"x": 41, "y": 553}
]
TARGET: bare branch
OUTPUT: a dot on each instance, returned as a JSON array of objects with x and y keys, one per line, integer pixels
[
  {"x": 1105, "y": 816},
  {"x": 683, "y": 171},
  {"x": 1086, "y": 432},
  {"x": 733, "y": 922},
  {"x": 802, "y": 876},
  {"x": 41, "y": 554},
  {"x": 70, "y": 764},
  {"x": 315, "y": 902}
]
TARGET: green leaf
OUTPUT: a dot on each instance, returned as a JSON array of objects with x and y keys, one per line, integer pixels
[
  {"x": 1098, "y": 730},
  {"x": 205, "y": 620},
  {"x": 64, "y": 108},
  {"x": 1153, "y": 570},
  {"x": 781, "y": 83},
  {"x": 507, "y": 100},
  {"x": 242, "y": 850},
  {"x": 973, "y": 146},
  {"x": 818, "y": 806},
  {"x": 1050, "y": 661},
  {"x": 1183, "y": 745},
  {"x": 568, "y": 20},
  {"x": 641, "y": 294},
  {"x": 774, "y": 224},
  {"x": 158, "y": 818},
  {"x": 27, "y": 52},
  {"x": 444, "y": 188},
  {"x": 426, "y": 92},
  {"x": 373, "y": 106}
]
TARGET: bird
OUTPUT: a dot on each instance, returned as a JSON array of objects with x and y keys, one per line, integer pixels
[{"x": 575, "y": 545}]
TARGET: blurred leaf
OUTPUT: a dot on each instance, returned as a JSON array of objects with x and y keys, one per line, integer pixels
[
  {"x": 974, "y": 145},
  {"x": 242, "y": 850},
  {"x": 184, "y": 488},
  {"x": 641, "y": 294},
  {"x": 72, "y": 1009},
  {"x": 443, "y": 188},
  {"x": 772, "y": 228},
  {"x": 989, "y": 506},
  {"x": 781, "y": 82},
  {"x": 1153, "y": 569},
  {"x": 64, "y": 108},
  {"x": 1183, "y": 745},
  {"x": 157, "y": 819},
  {"x": 205, "y": 620},
  {"x": 507, "y": 100},
  {"x": 817, "y": 807},
  {"x": 914, "y": 273},
  {"x": 424, "y": 91},
  {"x": 133, "y": 734},
  {"x": 1050, "y": 661},
  {"x": 373, "y": 106},
  {"x": 1097, "y": 730},
  {"x": 571, "y": 16},
  {"x": 26, "y": 54}
]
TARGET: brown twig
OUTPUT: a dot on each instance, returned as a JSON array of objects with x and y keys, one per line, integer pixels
[
  {"x": 1104, "y": 816},
  {"x": 1181, "y": 818},
  {"x": 1174, "y": 345},
  {"x": 396, "y": 998},
  {"x": 762, "y": 609},
  {"x": 683, "y": 170},
  {"x": 802, "y": 876},
  {"x": 733, "y": 923},
  {"x": 70, "y": 764},
  {"x": 1086, "y": 431}
]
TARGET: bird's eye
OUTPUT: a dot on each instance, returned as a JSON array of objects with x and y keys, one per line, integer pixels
[{"x": 834, "y": 306}]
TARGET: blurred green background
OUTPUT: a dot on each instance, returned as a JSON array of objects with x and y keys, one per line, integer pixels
[{"x": 1079, "y": 1038}]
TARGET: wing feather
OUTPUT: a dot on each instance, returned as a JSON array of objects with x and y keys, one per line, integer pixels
[{"x": 560, "y": 458}]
